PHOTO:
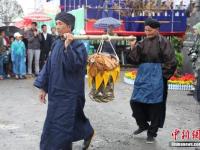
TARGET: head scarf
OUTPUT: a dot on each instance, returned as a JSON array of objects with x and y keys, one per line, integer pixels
[
  {"x": 152, "y": 23},
  {"x": 67, "y": 18}
]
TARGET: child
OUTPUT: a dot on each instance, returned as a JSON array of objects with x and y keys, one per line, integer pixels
[{"x": 18, "y": 56}]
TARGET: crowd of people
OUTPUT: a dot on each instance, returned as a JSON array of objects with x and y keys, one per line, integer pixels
[
  {"x": 18, "y": 51},
  {"x": 130, "y": 7}
]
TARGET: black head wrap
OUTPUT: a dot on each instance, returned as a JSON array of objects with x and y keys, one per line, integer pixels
[
  {"x": 152, "y": 23},
  {"x": 67, "y": 18}
]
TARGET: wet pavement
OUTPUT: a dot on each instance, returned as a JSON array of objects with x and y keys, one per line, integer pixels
[{"x": 22, "y": 117}]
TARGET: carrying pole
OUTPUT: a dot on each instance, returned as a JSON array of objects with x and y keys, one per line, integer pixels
[{"x": 104, "y": 37}]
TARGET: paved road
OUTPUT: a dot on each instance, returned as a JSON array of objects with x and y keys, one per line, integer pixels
[{"x": 22, "y": 117}]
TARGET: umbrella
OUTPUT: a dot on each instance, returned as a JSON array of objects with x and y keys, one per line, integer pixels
[
  {"x": 10, "y": 30},
  {"x": 2, "y": 24},
  {"x": 104, "y": 23},
  {"x": 23, "y": 23},
  {"x": 38, "y": 16}
]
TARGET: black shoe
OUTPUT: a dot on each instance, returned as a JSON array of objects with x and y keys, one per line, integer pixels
[
  {"x": 87, "y": 142},
  {"x": 150, "y": 140},
  {"x": 191, "y": 93},
  {"x": 138, "y": 131}
]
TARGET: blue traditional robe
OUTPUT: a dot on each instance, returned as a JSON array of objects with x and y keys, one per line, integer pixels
[
  {"x": 18, "y": 56},
  {"x": 62, "y": 77}
]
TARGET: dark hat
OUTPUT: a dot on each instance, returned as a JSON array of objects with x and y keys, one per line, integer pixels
[
  {"x": 65, "y": 17},
  {"x": 152, "y": 23}
]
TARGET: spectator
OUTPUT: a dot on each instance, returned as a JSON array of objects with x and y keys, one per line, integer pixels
[
  {"x": 181, "y": 6},
  {"x": 3, "y": 48},
  {"x": 107, "y": 8},
  {"x": 24, "y": 39},
  {"x": 8, "y": 64},
  {"x": 5, "y": 39},
  {"x": 54, "y": 35},
  {"x": 18, "y": 56},
  {"x": 45, "y": 45},
  {"x": 33, "y": 38}
]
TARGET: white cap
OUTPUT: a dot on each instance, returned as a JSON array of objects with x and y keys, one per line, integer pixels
[{"x": 17, "y": 34}]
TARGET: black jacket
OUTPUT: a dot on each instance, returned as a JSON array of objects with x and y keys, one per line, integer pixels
[{"x": 45, "y": 45}]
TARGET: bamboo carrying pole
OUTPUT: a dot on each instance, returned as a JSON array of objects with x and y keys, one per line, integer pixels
[{"x": 103, "y": 37}]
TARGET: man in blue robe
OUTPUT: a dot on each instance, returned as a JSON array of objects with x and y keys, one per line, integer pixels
[{"x": 62, "y": 77}]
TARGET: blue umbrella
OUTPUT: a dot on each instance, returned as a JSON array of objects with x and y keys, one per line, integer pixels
[{"x": 104, "y": 23}]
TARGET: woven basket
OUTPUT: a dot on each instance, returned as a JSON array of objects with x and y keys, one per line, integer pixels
[{"x": 103, "y": 71}]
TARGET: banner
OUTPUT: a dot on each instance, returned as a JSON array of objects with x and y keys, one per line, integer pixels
[{"x": 79, "y": 24}]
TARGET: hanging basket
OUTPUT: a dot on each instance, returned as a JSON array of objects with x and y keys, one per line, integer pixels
[{"x": 103, "y": 71}]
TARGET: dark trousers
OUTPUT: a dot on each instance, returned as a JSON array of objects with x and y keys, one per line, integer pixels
[
  {"x": 143, "y": 113},
  {"x": 43, "y": 58},
  {"x": 153, "y": 113}
]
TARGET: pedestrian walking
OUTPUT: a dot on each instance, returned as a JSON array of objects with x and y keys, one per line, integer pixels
[
  {"x": 62, "y": 77},
  {"x": 157, "y": 63}
]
